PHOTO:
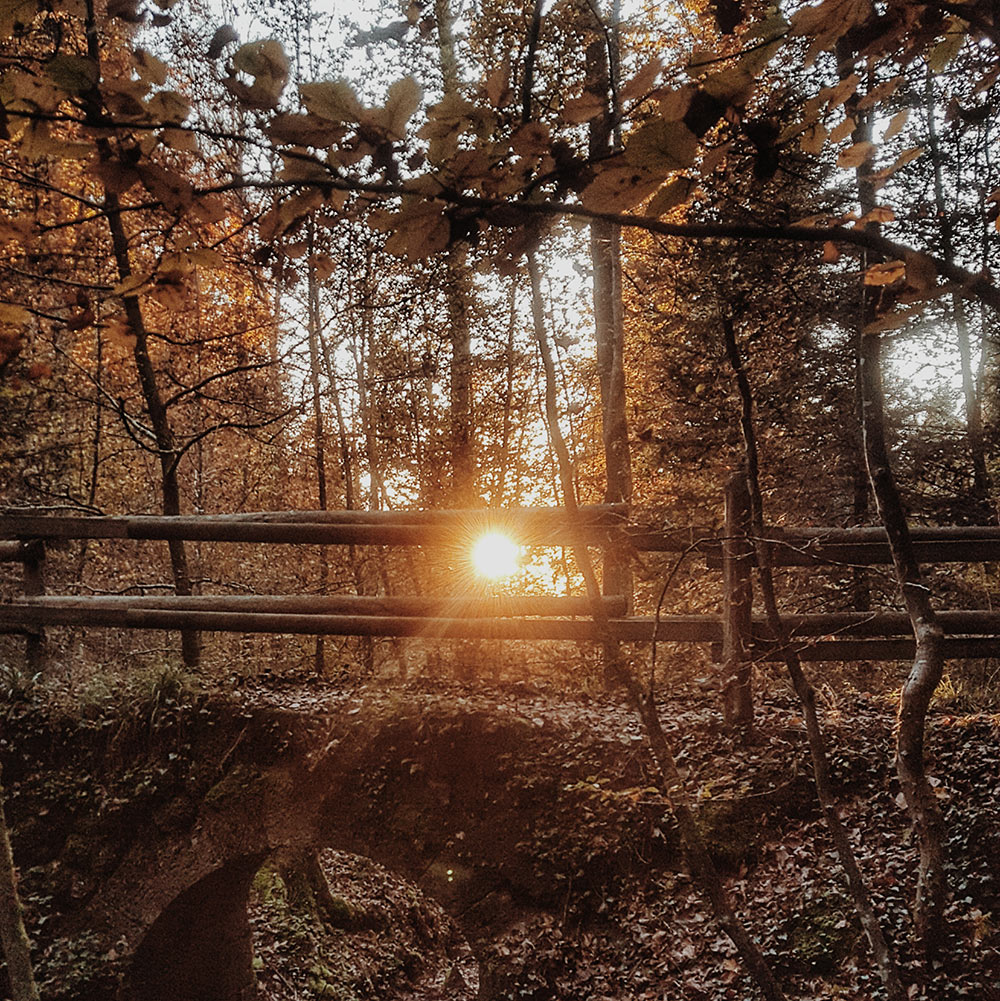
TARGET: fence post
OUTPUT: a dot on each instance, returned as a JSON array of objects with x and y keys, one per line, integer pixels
[
  {"x": 33, "y": 560},
  {"x": 737, "y": 605}
]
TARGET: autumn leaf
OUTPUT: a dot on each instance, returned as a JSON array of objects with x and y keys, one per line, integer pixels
[
  {"x": 267, "y": 63},
  {"x": 732, "y": 86},
  {"x": 856, "y": 155},
  {"x": 419, "y": 230},
  {"x": 893, "y": 321},
  {"x": 169, "y": 289},
  {"x": 333, "y": 100},
  {"x": 81, "y": 319},
  {"x": 831, "y": 253},
  {"x": 531, "y": 139},
  {"x": 116, "y": 176},
  {"x": 896, "y": 124},
  {"x": 885, "y": 273},
  {"x": 840, "y": 92},
  {"x": 675, "y": 193},
  {"x": 14, "y": 12},
  {"x": 921, "y": 272},
  {"x": 63, "y": 149},
  {"x": 124, "y": 98},
  {"x": 814, "y": 139},
  {"x": 220, "y": 39},
  {"x": 303, "y": 169},
  {"x": 126, "y": 10},
  {"x": 13, "y": 316},
  {"x": 288, "y": 212},
  {"x": 265, "y": 58},
  {"x": 827, "y": 22},
  {"x": 173, "y": 191},
  {"x": 73, "y": 74},
  {"x": 662, "y": 146},
  {"x": 843, "y": 130},
  {"x": 879, "y": 214},
  {"x": 304, "y": 130},
  {"x": 323, "y": 266},
  {"x": 180, "y": 139},
  {"x": 907, "y": 156},
  {"x": 497, "y": 84},
  {"x": 168, "y": 106},
  {"x": 403, "y": 100},
  {"x": 946, "y": 50},
  {"x": 880, "y": 92},
  {"x": 150, "y": 70},
  {"x": 643, "y": 82},
  {"x": 714, "y": 158},
  {"x": 674, "y": 105},
  {"x": 202, "y": 257},
  {"x": 12, "y": 228},
  {"x": 619, "y": 188},
  {"x": 119, "y": 336},
  {"x": 584, "y": 108}
]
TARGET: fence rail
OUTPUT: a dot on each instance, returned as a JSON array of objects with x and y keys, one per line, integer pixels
[
  {"x": 826, "y": 636},
  {"x": 599, "y": 525}
]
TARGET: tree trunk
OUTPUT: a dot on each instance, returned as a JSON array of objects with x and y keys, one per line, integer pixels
[
  {"x": 166, "y": 450},
  {"x": 671, "y": 783},
  {"x": 737, "y": 552},
  {"x": 981, "y": 483},
  {"x": 860, "y": 894},
  {"x": 609, "y": 325},
  {"x": 928, "y": 662},
  {"x": 499, "y": 493},
  {"x": 458, "y": 297},
  {"x": 319, "y": 430},
  {"x": 13, "y": 937}
]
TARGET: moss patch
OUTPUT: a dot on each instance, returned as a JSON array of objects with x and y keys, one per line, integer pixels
[
  {"x": 822, "y": 934},
  {"x": 732, "y": 831}
]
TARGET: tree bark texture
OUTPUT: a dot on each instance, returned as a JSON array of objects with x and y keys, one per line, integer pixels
[
  {"x": 319, "y": 429},
  {"x": 928, "y": 661},
  {"x": 860, "y": 894},
  {"x": 609, "y": 325},
  {"x": 982, "y": 486},
  {"x": 737, "y": 552},
  {"x": 671, "y": 785},
  {"x": 163, "y": 435},
  {"x": 458, "y": 298},
  {"x": 13, "y": 937}
]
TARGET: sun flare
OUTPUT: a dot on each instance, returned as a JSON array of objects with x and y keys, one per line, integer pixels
[{"x": 495, "y": 556}]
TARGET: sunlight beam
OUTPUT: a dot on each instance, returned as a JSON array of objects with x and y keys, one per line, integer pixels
[{"x": 494, "y": 556}]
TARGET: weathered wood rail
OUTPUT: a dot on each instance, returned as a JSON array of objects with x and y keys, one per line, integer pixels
[{"x": 831, "y": 636}]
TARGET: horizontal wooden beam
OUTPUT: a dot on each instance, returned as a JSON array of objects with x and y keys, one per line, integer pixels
[
  {"x": 812, "y": 633},
  {"x": 817, "y": 546},
  {"x": 503, "y": 606},
  {"x": 97, "y": 613},
  {"x": 607, "y": 515},
  {"x": 954, "y": 648},
  {"x": 597, "y": 525},
  {"x": 549, "y": 530},
  {"x": 802, "y": 553},
  {"x": 878, "y": 624}
]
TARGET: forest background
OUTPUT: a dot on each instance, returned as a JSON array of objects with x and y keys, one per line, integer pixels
[{"x": 487, "y": 256}]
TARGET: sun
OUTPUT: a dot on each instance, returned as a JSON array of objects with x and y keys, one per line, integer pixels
[{"x": 495, "y": 556}]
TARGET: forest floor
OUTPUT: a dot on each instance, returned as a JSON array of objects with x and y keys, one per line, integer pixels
[
  {"x": 646, "y": 935},
  {"x": 652, "y": 937}
]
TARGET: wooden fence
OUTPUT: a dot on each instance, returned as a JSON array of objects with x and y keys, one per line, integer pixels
[{"x": 883, "y": 635}]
